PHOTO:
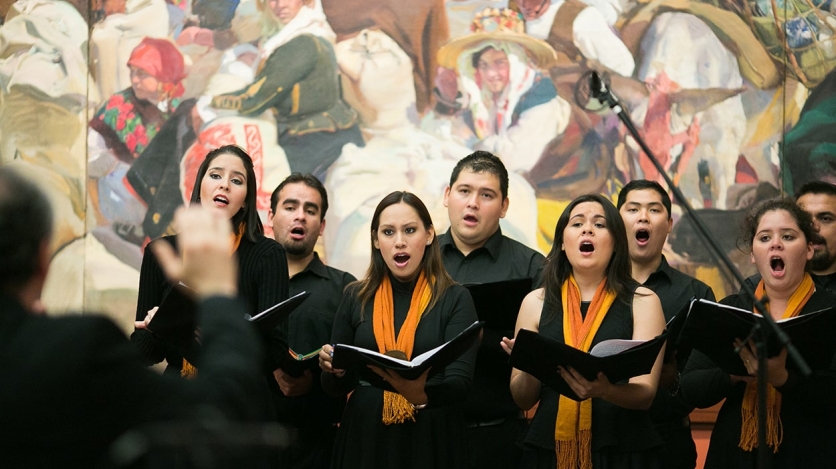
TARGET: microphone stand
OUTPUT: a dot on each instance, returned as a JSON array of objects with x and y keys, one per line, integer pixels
[{"x": 600, "y": 91}]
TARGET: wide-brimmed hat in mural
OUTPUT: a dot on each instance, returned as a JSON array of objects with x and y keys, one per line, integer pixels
[{"x": 495, "y": 25}]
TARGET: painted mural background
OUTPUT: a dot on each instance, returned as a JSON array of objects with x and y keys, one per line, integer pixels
[{"x": 734, "y": 96}]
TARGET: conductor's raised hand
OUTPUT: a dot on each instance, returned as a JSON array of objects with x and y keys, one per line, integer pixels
[
  {"x": 203, "y": 260},
  {"x": 583, "y": 388}
]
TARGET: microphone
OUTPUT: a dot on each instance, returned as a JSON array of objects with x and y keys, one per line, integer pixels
[
  {"x": 599, "y": 90},
  {"x": 593, "y": 94},
  {"x": 597, "y": 87}
]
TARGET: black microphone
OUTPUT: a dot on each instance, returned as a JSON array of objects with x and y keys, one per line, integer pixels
[
  {"x": 597, "y": 87},
  {"x": 600, "y": 91}
]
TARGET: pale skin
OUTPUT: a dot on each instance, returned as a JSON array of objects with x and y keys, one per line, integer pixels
[
  {"x": 643, "y": 210},
  {"x": 223, "y": 191},
  {"x": 297, "y": 221},
  {"x": 777, "y": 235},
  {"x": 204, "y": 241},
  {"x": 400, "y": 232},
  {"x": 587, "y": 223}
]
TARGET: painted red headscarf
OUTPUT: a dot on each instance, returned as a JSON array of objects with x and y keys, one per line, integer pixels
[{"x": 163, "y": 61}]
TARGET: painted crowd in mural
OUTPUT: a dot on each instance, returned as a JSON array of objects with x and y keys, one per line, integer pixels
[{"x": 112, "y": 105}]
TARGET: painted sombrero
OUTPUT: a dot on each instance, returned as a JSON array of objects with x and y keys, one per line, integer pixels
[{"x": 494, "y": 24}]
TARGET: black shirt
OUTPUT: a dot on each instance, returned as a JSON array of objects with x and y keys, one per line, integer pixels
[
  {"x": 675, "y": 291},
  {"x": 501, "y": 258},
  {"x": 309, "y": 328}
]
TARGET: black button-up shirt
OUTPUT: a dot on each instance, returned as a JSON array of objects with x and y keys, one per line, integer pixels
[
  {"x": 675, "y": 291},
  {"x": 309, "y": 328},
  {"x": 501, "y": 258}
]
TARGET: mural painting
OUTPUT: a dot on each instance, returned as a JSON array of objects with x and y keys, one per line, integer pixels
[{"x": 112, "y": 105}]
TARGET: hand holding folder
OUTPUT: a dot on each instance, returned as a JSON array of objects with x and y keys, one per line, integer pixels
[
  {"x": 712, "y": 328},
  {"x": 618, "y": 359},
  {"x": 358, "y": 359}
]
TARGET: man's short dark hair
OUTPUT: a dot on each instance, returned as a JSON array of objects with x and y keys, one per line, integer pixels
[
  {"x": 642, "y": 184},
  {"x": 483, "y": 162},
  {"x": 816, "y": 187},
  {"x": 307, "y": 179},
  {"x": 25, "y": 224}
]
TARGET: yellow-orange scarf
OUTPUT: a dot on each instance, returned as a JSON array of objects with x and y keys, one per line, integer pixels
[
  {"x": 396, "y": 409},
  {"x": 572, "y": 433},
  {"x": 188, "y": 370},
  {"x": 749, "y": 408}
]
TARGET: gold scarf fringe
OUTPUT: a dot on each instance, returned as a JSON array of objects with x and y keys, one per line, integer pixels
[
  {"x": 749, "y": 414},
  {"x": 576, "y": 453},
  {"x": 188, "y": 370},
  {"x": 396, "y": 409}
]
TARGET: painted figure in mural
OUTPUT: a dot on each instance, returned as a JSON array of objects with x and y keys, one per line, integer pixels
[
  {"x": 801, "y": 412},
  {"x": 226, "y": 185},
  {"x": 419, "y": 27},
  {"x": 125, "y": 25},
  {"x": 77, "y": 383},
  {"x": 125, "y": 125},
  {"x": 297, "y": 213},
  {"x": 406, "y": 289},
  {"x": 398, "y": 155},
  {"x": 474, "y": 250},
  {"x": 501, "y": 102},
  {"x": 645, "y": 208},
  {"x": 589, "y": 267},
  {"x": 808, "y": 146},
  {"x": 298, "y": 80},
  {"x": 580, "y": 32}
]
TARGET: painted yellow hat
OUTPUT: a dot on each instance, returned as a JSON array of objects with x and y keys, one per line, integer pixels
[{"x": 494, "y": 24}]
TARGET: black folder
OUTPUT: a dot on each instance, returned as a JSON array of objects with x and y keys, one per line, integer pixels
[
  {"x": 618, "y": 359},
  {"x": 357, "y": 359},
  {"x": 674, "y": 328},
  {"x": 271, "y": 317},
  {"x": 498, "y": 303},
  {"x": 176, "y": 313},
  {"x": 712, "y": 328}
]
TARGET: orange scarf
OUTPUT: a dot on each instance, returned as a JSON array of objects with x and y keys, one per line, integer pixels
[
  {"x": 749, "y": 407},
  {"x": 396, "y": 409},
  {"x": 188, "y": 370},
  {"x": 573, "y": 428}
]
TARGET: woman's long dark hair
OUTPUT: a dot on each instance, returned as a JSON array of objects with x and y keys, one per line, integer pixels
[
  {"x": 431, "y": 263},
  {"x": 248, "y": 215},
  {"x": 619, "y": 270}
]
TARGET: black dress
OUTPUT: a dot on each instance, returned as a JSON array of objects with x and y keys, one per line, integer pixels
[
  {"x": 621, "y": 438},
  {"x": 262, "y": 282},
  {"x": 436, "y": 438},
  {"x": 808, "y": 408}
]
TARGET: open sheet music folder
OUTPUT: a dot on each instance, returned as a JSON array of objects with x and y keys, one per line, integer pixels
[
  {"x": 712, "y": 328},
  {"x": 358, "y": 359},
  {"x": 618, "y": 359},
  {"x": 271, "y": 317},
  {"x": 177, "y": 313}
]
